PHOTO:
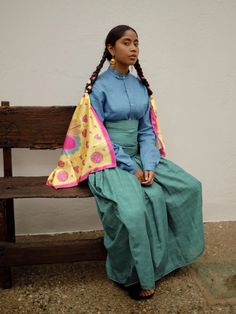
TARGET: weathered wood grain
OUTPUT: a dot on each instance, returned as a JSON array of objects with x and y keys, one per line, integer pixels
[
  {"x": 5, "y": 272},
  {"x": 35, "y": 187},
  {"x": 15, "y": 254},
  {"x": 34, "y": 127}
]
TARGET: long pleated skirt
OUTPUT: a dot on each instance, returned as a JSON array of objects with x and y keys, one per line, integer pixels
[{"x": 149, "y": 231}]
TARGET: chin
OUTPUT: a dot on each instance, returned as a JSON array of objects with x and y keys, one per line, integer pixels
[{"x": 132, "y": 63}]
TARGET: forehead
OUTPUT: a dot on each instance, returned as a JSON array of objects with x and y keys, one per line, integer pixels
[{"x": 129, "y": 34}]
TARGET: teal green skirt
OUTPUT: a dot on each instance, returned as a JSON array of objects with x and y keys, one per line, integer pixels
[{"x": 149, "y": 231}]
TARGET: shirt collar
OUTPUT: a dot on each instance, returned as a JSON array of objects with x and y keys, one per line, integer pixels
[{"x": 118, "y": 75}]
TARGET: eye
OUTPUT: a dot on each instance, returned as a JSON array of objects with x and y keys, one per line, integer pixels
[
  {"x": 136, "y": 44},
  {"x": 126, "y": 43}
]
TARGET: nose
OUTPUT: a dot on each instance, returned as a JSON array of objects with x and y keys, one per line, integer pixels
[{"x": 134, "y": 48}]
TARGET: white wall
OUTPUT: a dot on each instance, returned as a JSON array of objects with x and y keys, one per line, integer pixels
[{"x": 49, "y": 48}]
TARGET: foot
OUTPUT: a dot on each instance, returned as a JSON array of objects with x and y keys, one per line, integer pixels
[
  {"x": 147, "y": 293},
  {"x": 137, "y": 293}
]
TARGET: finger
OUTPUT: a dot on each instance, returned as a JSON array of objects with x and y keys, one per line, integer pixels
[
  {"x": 151, "y": 175},
  {"x": 150, "y": 179},
  {"x": 146, "y": 182},
  {"x": 145, "y": 178},
  {"x": 146, "y": 175}
]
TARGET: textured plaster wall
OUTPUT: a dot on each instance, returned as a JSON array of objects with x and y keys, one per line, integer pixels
[{"x": 49, "y": 48}]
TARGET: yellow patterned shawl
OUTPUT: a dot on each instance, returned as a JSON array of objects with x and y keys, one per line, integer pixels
[{"x": 87, "y": 147}]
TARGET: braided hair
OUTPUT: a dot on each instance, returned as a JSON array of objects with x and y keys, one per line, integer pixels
[
  {"x": 94, "y": 76},
  {"x": 115, "y": 34},
  {"x": 142, "y": 77}
]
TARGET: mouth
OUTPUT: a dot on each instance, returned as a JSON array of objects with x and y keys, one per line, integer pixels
[{"x": 133, "y": 57}]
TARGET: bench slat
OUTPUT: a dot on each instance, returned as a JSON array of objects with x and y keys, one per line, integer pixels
[
  {"x": 34, "y": 187},
  {"x": 34, "y": 127},
  {"x": 15, "y": 254}
]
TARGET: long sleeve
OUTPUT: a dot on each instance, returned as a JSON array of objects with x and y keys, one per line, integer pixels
[
  {"x": 123, "y": 160},
  {"x": 149, "y": 153}
]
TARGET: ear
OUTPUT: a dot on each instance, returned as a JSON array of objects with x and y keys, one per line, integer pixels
[{"x": 111, "y": 49}]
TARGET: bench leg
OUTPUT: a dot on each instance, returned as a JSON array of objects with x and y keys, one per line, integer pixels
[
  {"x": 10, "y": 221},
  {"x": 5, "y": 277},
  {"x": 6, "y": 234}
]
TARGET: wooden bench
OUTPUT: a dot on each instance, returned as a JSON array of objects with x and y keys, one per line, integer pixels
[{"x": 35, "y": 127}]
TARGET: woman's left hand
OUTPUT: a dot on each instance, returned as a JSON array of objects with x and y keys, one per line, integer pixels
[{"x": 148, "y": 177}]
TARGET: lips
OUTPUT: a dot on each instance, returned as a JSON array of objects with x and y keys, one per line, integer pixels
[{"x": 133, "y": 57}]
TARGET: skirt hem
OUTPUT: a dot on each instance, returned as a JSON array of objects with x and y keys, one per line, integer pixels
[{"x": 163, "y": 275}]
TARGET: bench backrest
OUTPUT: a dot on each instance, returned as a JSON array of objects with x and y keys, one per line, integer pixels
[{"x": 33, "y": 127}]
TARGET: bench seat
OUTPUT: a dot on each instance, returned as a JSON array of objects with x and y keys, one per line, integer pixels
[{"x": 35, "y": 187}]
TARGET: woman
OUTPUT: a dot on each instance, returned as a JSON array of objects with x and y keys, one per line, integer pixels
[{"x": 150, "y": 208}]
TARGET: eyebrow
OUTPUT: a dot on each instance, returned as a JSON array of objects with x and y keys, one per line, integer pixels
[{"x": 127, "y": 38}]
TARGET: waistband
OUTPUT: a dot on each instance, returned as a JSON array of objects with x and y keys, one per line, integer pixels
[{"x": 125, "y": 134}]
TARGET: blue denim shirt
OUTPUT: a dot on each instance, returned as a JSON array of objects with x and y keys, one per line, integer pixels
[{"x": 117, "y": 97}]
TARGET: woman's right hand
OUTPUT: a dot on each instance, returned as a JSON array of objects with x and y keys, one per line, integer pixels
[{"x": 139, "y": 175}]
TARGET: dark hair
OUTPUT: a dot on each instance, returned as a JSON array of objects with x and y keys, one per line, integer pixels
[{"x": 115, "y": 34}]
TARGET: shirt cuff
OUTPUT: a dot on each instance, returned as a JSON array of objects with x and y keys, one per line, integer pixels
[
  {"x": 131, "y": 168},
  {"x": 150, "y": 166}
]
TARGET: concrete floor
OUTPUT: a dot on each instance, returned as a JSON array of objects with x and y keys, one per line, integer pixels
[{"x": 207, "y": 286}]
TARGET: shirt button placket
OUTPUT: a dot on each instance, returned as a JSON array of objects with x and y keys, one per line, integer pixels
[{"x": 130, "y": 104}]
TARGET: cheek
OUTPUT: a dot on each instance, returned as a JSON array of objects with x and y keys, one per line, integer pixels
[{"x": 122, "y": 52}]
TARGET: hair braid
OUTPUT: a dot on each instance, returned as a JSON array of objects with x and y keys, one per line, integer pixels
[
  {"x": 92, "y": 80},
  {"x": 142, "y": 78}
]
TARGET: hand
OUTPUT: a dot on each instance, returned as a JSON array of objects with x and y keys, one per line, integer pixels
[
  {"x": 139, "y": 175},
  {"x": 148, "y": 177}
]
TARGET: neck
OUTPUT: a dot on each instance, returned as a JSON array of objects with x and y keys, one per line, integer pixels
[{"x": 122, "y": 69}]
